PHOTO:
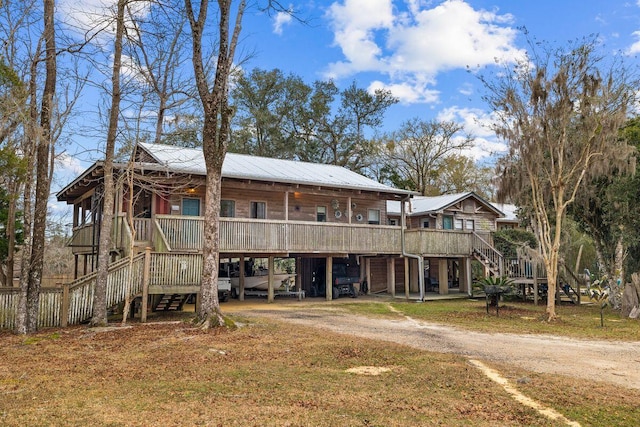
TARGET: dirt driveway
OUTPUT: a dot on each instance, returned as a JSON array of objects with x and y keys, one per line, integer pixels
[{"x": 614, "y": 362}]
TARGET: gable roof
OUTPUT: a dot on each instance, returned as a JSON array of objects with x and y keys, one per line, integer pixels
[
  {"x": 425, "y": 204},
  {"x": 243, "y": 166},
  {"x": 174, "y": 159},
  {"x": 510, "y": 212}
]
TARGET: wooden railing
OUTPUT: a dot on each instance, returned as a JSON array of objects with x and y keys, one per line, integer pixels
[
  {"x": 434, "y": 242},
  {"x": 142, "y": 228},
  {"x": 173, "y": 272},
  {"x": 84, "y": 236},
  {"x": 487, "y": 254},
  {"x": 251, "y": 235},
  {"x": 73, "y": 303}
]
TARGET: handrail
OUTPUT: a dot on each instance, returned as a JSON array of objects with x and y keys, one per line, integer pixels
[
  {"x": 160, "y": 242},
  {"x": 488, "y": 253}
]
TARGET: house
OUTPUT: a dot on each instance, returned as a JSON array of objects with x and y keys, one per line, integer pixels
[
  {"x": 312, "y": 215},
  {"x": 465, "y": 213}
]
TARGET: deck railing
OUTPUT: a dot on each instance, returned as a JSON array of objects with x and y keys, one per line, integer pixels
[
  {"x": 426, "y": 241},
  {"x": 488, "y": 254},
  {"x": 84, "y": 236},
  {"x": 251, "y": 235}
]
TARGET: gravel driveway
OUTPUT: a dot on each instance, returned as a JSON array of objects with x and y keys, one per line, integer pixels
[{"x": 614, "y": 362}]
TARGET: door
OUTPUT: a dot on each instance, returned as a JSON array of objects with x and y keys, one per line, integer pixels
[{"x": 190, "y": 207}]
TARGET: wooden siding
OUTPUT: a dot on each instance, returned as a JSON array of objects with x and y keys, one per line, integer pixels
[{"x": 378, "y": 275}]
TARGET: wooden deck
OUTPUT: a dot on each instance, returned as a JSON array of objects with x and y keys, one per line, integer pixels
[{"x": 170, "y": 233}]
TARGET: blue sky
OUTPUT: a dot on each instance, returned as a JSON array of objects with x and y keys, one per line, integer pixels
[{"x": 420, "y": 49}]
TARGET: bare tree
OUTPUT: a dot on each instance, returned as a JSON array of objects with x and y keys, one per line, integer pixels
[
  {"x": 43, "y": 179},
  {"x": 99, "y": 316},
  {"x": 215, "y": 137},
  {"x": 417, "y": 153},
  {"x": 560, "y": 112}
]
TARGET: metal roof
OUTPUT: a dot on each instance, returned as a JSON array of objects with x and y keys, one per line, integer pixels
[
  {"x": 425, "y": 204},
  {"x": 242, "y": 166}
]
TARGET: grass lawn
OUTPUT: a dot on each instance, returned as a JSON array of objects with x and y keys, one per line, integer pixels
[
  {"x": 273, "y": 374},
  {"x": 514, "y": 316}
]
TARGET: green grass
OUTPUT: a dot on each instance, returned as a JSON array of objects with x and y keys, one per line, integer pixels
[{"x": 514, "y": 317}]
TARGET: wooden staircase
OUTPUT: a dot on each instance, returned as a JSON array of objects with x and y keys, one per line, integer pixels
[
  {"x": 490, "y": 258},
  {"x": 569, "y": 284},
  {"x": 171, "y": 302}
]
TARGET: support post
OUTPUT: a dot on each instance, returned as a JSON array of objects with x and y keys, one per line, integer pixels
[
  {"x": 367, "y": 272},
  {"x": 328, "y": 278},
  {"x": 241, "y": 278},
  {"x": 406, "y": 277},
  {"x": 64, "y": 316},
  {"x": 270, "y": 266},
  {"x": 145, "y": 285},
  {"x": 443, "y": 276},
  {"x": 391, "y": 276}
]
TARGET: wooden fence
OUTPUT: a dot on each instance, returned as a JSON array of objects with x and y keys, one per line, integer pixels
[{"x": 73, "y": 303}]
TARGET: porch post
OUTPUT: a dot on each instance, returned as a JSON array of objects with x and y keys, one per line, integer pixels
[
  {"x": 391, "y": 276},
  {"x": 241, "y": 278},
  {"x": 286, "y": 206},
  {"x": 328, "y": 278},
  {"x": 443, "y": 276},
  {"x": 270, "y": 294}
]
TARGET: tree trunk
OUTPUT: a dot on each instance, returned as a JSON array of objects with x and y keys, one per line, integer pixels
[
  {"x": 215, "y": 134},
  {"x": 42, "y": 173},
  {"x": 99, "y": 317},
  {"x": 617, "y": 278},
  {"x": 30, "y": 143},
  {"x": 11, "y": 231},
  {"x": 209, "y": 314}
]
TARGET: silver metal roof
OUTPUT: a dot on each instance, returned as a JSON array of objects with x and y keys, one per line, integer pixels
[
  {"x": 241, "y": 166},
  {"x": 425, "y": 204}
]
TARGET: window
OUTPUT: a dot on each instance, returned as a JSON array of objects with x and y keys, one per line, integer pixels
[
  {"x": 393, "y": 221},
  {"x": 374, "y": 216},
  {"x": 470, "y": 225},
  {"x": 321, "y": 213},
  {"x": 457, "y": 224},
  {"x": 227, "y": 208},
  {"x": 447, "y": 222},
  {"x": 425, "y": 223},
  {"x": 191, "y": 207},
  {"x": 258, "y": 210}
]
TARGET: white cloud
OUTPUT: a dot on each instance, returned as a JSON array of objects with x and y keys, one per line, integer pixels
[
  {"x": 478, "y": 123},
  {"x": 413, "y": 46},
  {"x": 635, "y": 47},
  {"x": 68, "y": 164},
  {"x": 91, "y": 18},
  {"x": 281, "y": 19}
]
